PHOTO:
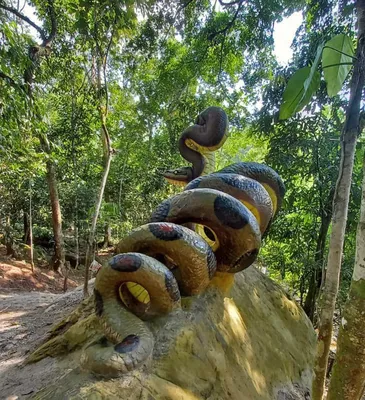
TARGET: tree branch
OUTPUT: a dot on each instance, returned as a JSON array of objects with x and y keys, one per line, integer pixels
[
  {"x": 104, "y": 69},
  {"x": 37, "y": 52},
  {"x": 11, "y": 81},
  {"x": 52, "y": 16},
  {"x": 51, "y": 13},
  {"x": 26, "y": 19},
  {"x": 221, "y": 58},
  {"x": 222, "y": 3},
  {"x": 8, "y": 79},
  {"x": 184, "y": 5},
  {"x": 230, "y": 24}
]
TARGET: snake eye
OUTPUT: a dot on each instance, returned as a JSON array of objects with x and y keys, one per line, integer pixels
[{"x": 175, "y": 172}]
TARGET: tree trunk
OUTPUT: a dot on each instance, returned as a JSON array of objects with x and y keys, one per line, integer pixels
[
  {"x": 65, "y": 278},
  {"x": 107, "y": 236},
  {"x": 107, "y": 154},
  {"x": 340, "y": 208},
  {"x": 90, "y": 241},
  {"x": 30, "y": 227},
  {"x": 59, "y": 252},
  {"x": 348, "y": 377},
  {"x": 76, "y": 232},
  {"x": 77, "y": 248},
  {"x": 316, "y": 276},
  {"x": 9, "y": 238},
  {"x": 26, "y": 227}
]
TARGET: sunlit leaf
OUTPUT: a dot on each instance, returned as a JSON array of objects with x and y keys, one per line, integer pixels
[
  {"x": 299, "y": 91},
  {"x": 337, "y": 59}
]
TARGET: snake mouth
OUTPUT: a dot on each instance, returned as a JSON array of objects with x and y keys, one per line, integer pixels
[
  {"x": 245, "y": 260},
  {"x": 134, "y": 297}
]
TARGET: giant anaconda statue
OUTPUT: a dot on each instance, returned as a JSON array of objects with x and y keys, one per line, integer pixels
[{"x": 160, "y": 261}]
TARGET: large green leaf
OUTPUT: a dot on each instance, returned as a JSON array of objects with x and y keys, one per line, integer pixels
[
  {"x": 299, "y": 91},
  {"x": 336, "y": 62}
]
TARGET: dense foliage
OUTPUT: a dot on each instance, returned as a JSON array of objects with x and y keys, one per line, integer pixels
[{"x": 167, "y": 60}]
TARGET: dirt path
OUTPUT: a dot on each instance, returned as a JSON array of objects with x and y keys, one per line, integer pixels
[
  {"x": 25, "y": 319},
  {"x": 30, "y": 303}
]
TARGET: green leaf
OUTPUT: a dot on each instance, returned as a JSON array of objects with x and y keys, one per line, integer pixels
[
  {"x": 337, "y": 59},
  {"x": 311, "y": 84},
  {"x": 82, "y": 25},
  {"x": 314, "y": 66},
  {"x": 299, "y": 91}
]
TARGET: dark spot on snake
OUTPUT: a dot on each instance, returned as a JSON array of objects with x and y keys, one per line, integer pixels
[
  {"x": 211, "y": 263},
  {"x": 230, "y": 212},
  {"x": 99, "y": 304},
  {"x": 165, "y": 231},
  {"x": 171, "y": 286},
  {"x": 125, "y": 262},
  {"x": 161, "y": 212},
  {"x": 128, "y": 344},
  {"x": 194, "y": 183}
]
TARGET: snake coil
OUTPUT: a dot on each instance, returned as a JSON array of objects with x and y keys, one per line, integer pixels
[{"x": 160, "y": 261}]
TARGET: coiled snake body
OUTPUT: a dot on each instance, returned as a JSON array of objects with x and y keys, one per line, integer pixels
[{"x": 160, "y": 261}]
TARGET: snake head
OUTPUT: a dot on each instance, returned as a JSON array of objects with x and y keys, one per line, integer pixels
[{"x": 179, "y": 176}]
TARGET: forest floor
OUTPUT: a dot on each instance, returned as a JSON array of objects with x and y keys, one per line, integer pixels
[
  {"x": 26, "y": 315},
  {"x": 17, "y": 276}
]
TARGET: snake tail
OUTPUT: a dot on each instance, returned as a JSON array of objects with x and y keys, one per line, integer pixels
[{"x": 129, "y": 342}]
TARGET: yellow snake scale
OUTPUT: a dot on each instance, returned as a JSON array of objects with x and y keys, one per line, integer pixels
[{"x": 160, "y": 261}]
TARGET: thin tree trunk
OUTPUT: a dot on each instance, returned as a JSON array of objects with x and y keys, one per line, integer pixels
[
  {"x": 340, "y": 208},
  {"x": 26, "y": 227},
  {"x": 58, "y": 261},
  {"x": 90, "y": 241},
  {"x": 107, "y": 236},
  {"x": 121, "y": 182},
  {"x": 316, "y": 277},
  {"x": 348, "y": 376},
  {"x": 30, "y": 227},
  {"x": 8, "y": 238},
  {"x": 59, "y": 252},
  {"x": 65, "y": 278},
  {"x": 100, "y": 63},
  {"x": 77, "y": 245},
  {"x": 74, "y": 162},
  {"x": 99, "y": 198}
]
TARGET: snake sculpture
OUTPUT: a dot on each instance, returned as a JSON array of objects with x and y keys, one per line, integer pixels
[{"x": 159, "y": 262}]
